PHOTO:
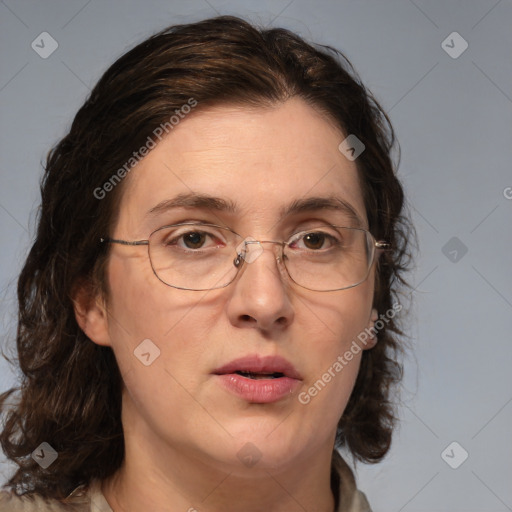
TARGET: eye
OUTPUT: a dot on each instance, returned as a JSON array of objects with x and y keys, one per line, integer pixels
[
  {"x": 314, "y": 240},
  {"x": 191, "y": 239},
  {"x": 194, "y": 239}
]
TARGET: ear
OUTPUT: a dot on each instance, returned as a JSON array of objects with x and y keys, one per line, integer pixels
[
  {"x": 91, "y": 313},
  {"x": 372, "y": 336}
]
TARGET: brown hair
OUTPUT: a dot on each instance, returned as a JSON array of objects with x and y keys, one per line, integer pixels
[{"x": 70, "y": 391}]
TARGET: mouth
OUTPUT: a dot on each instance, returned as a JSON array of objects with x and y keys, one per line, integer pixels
[
  {"x": 257, "y": 367},
  {"x": 259, "y": 376},
  {"x": 258, "y": 379}
]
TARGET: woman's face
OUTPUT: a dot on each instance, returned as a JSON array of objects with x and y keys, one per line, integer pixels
[{"x": 260, "y": 161}]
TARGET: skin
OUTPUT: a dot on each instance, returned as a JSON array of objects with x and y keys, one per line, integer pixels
[{"x": 182, "y": 429}]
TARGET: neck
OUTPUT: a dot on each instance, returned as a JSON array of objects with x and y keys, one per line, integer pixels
[
  {"x": 216, "y": 492},
  {"x": 158, "y": 477}
]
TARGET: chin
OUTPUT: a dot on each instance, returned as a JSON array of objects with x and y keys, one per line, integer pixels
[{"x": 266, "y": 448}]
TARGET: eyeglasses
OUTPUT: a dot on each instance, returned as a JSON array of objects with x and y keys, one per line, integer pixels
[{"x": 200, "y": 257}]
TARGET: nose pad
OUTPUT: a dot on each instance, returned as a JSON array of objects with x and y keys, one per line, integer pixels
[{"x": 249, "y": 249}]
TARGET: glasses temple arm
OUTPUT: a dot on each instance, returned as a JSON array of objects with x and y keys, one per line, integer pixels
[{"x": 123, "y": 242}]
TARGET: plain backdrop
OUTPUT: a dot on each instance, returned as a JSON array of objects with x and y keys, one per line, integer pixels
[{"x": 452, "y": 110}]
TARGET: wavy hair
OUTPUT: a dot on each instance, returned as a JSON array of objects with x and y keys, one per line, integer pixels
[{"x": 69, "y": 393}]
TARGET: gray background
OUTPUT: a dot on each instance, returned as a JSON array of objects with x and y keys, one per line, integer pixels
[{"x": 453, "y": 119}]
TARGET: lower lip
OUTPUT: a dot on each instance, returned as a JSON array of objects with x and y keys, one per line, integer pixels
[{"x": 261, "y": 391}]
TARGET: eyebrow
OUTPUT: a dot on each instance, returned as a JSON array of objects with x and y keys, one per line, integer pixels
[{"x": 219, "y": 204}]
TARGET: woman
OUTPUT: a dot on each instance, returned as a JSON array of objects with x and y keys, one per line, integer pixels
[{"x": 208, "y": 309}]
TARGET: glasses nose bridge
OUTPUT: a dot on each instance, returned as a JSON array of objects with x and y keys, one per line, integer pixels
[{"x": 257, "y": 243}]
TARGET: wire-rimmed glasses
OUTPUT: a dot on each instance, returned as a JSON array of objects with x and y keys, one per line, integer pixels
[{"x": 199, "y": 256}]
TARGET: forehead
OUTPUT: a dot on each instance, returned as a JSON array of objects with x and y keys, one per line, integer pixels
[{"x": 258, "y": 159}]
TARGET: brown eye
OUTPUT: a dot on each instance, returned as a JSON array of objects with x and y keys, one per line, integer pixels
[
  {"x": 194, "y": 240},
  {"x": 314, "y": 240}
]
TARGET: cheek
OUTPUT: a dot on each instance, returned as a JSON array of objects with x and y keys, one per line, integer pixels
[
  {"x": 141, "y": 306},
  {"x": 179, "y": 324},
  {"x": 333, "y": 320},
  {"x": 330, "y": 381},
  {"x": 332, "y": 350},
  {"x": 158, "y": 335}
]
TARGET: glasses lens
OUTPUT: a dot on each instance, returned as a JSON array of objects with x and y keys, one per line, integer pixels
[
  {"x": 329, "y": 258},
  {"x": 204, "y": 256},
  {"x": 194, "y": 256}
]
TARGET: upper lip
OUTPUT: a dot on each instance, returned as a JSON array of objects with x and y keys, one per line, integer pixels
[{"x": 259, "y": 364}]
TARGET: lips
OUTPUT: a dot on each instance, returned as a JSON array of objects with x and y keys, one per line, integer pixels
[
  {"x": 256, "y": 367},
  {"x": 258, "y": 379}
]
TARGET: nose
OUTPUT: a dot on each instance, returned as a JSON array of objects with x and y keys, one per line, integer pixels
[{"x": 261, "y": 292}]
